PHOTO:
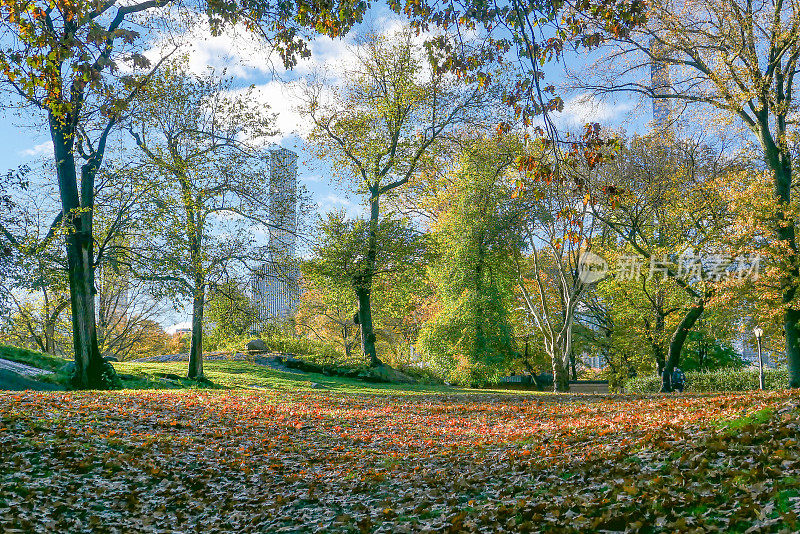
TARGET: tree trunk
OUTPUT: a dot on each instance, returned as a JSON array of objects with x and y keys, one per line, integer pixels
[
  {"x": 572, "y": 364},
  {"x": 657, "y": 341},
  {"x": 196, "y": 349},
  {"x": 677, "y": 342},
  {"x": 363, "y": 285},
  {"x": 89, "y": 365},
  {"x": 560, "y": 372},
  {"x": 779, "y": 158},
  {"x": 365, "y": 322},
  {"x": 790, "y": 327},
  {"x": 346, "y": 337},
  {"x": 791, "y": 315},
  {"x": 49, "y": 337}
]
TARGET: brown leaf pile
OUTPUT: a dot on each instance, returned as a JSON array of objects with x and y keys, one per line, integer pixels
[{"x": 233, "y": 461}]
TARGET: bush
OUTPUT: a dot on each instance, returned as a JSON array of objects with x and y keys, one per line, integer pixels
[
  {"x": 311, "y": 350},
  {"x": 314, "y": 351},
  {"x": 718, "y": 380}
]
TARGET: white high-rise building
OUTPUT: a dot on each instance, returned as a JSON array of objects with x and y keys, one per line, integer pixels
[
  {"x": 660, "y": 85},
  {"x": 275, "y": 285}
]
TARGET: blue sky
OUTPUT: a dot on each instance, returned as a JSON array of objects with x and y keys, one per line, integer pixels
[{"x": 25, "y": 140}]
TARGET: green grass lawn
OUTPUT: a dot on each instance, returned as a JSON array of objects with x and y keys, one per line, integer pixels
[
  {"x": 241, "y": 375},
  {"x": 247, "y": 375},
  {"x": 220, "y": 374},
  {"x": 46, "y": 362}
]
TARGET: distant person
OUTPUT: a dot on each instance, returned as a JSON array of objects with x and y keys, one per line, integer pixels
[{"x": 678, "y": 379}]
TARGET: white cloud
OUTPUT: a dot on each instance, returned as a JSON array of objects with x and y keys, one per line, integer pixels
[
  {"x": 312, "y": 178},
  {"x": 246, "y": 56},
  {"x": 585, "y": 108},
  {"x": 284, "y": 100},
  {"x": 236, "y": 50},
  {"x": 333, "y": 202},
  {"x": 43, "y": 149}
]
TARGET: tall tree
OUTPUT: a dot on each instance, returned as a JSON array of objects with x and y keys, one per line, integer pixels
[
  {"x": 60, "y": 58},
  {"x": 199, "y": 147},
  {"x": 471, "y": 338},
  {"x": 64, "y": 59},
  {"x": 376, "y": 130},
  {"x": 556, "y": 227},
  {"x": 662, "y": 200},
  {"x": 342, "y": 257},
  {"x": 740, "y": 58}
]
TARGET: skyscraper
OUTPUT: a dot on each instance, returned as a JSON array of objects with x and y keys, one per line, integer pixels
[
  {"x": 275, "y": 285},
  {"x": 661, "y": 86}
]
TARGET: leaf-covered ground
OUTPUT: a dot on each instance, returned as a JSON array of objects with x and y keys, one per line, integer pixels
[{"x": 177, "y": 461}]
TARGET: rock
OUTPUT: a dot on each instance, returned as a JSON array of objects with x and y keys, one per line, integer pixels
[
  {"x": 68, "y": 369},
  {"x": 257, "y": 346},
  {"x": 110, "y": 359},
  {"x": 389, "y": 374},
  {"x": 314, "y": 385},
  {"x": 266, "y": 360},
  {"x": 168, "y": 376}
]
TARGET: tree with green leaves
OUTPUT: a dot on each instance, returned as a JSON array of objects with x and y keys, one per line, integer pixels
[
  {"x": 376, "y": 130},
  {"x": 65, "y": 59},
  {"x": 471, "y": 337},
  {"x": 37, "y": 287},
  {"x": 663, "y": 201},
  {"x": 325, "y": 312},
  {"x": 342, "y": 256},
  {"x": 198, "y": 145},
  {"x": 643, "y": 311},
  {"x": 737, "y": 58},
  {"x": 230, "y": 313}
]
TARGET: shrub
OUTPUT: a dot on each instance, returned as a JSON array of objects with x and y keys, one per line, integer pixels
[
  {"x": 314, "y": 351},
  {"x": 718, "y": 380}
]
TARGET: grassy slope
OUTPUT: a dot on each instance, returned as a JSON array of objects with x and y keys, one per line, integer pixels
[
  {"x": 246, "y": 375},
  {"x": 222, "y": 375},
  {"x": 43, "y": 361}
]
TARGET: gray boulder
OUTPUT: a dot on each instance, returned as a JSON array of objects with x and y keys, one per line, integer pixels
[
  {"x": 257, "y": 346},
  {"x": 390, "y": 374}
]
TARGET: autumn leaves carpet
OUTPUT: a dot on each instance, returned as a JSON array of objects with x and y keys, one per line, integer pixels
[{"x": 217, "y": 461}]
